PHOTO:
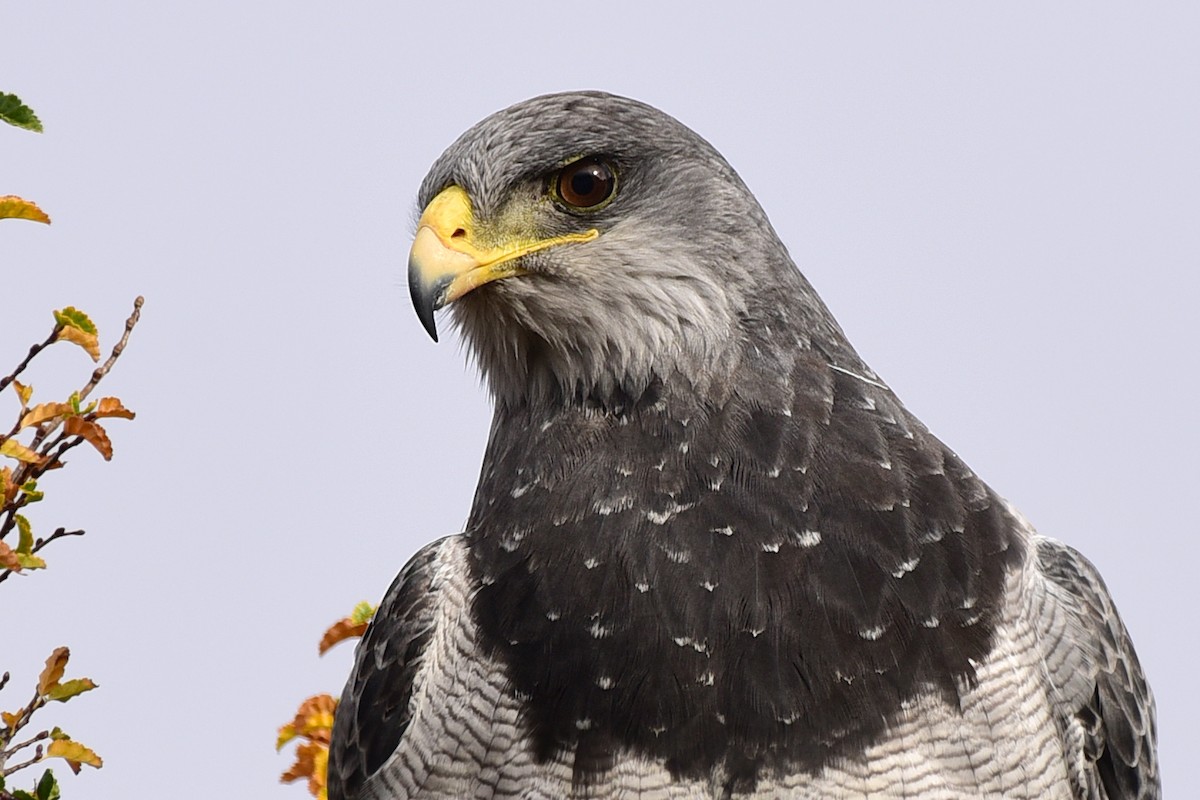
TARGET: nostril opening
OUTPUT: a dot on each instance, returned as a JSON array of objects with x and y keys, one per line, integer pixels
[{"x": 458, "y": 233}]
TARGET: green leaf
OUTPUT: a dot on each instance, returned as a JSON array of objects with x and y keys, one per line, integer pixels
[
  {"x": 21, "y": 794},
  {"x": 72, "y": 317},
  {"x": 362, "y": 612},
  {"x": 28, "y": 561},
  {"x": 14, "y": 112},
  {"x": 47, "y": 788},
  {"x": 58, "y": 733},
  {"x": 25, "y": 544},
  {"x": 30, "y": 490},
  {"x": 72, "y": 688}
]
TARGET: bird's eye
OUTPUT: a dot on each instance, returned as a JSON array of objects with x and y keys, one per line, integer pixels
[{"x": 587, "y": 184}]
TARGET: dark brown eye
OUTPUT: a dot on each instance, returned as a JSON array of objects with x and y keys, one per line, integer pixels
[{"x": 587, "y": 184}]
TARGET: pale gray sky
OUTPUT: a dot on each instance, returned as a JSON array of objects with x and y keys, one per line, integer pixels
[{"x": 1000, "y": 205}]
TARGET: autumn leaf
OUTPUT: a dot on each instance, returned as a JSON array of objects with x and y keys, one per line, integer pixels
[
  {"x": 14, "y": 449},
  {"x": 10, "y": 720},
  {"x": 13, "y": 207},
  {"x": 24, "y": 392},
  {"x": 14, "y": 112},
  {"x": 7, "y": 489},
  {"x": 72, "y": 688},
  {"x": 314, "y": 718},
  {"x": 312, "y": 762},
  {"x": 74, "y": 753},
  {"x": 92, "y": 433},
  {"x": 286, "y": 734},
  {"x": 112, "y": 407},
  {"x": 9, "y": 559},
  {"x": 44, "y": 412},
  {"x": 340, "y": 631},
  {"x": 88, "y": 341},
  {"x": 56, "y": 665}
]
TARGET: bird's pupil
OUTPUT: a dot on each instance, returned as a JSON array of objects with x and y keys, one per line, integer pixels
[{"x": 583, "y": 183}]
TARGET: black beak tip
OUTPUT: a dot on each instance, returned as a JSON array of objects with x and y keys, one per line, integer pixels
[{"x": 424, "y": 300}]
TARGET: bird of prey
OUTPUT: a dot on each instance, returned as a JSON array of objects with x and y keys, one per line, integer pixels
[{"x": 711, "y": 554}]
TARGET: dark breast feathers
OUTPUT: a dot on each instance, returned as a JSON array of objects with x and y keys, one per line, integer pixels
[{"x": 757, "y": 583}]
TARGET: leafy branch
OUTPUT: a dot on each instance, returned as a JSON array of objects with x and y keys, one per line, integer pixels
[
  {"x": 313, "y": 723},
  {"x": 56, "y": 428}
]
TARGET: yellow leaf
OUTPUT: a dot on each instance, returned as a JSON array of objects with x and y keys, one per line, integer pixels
[
  {"x": 14, "y": 449},
  {"x": 56, "y": 665},
  {"x": 74, "y": 752},
  {"x": 10, "y": 720},
  {"x": 286, "y": 734},
  {"x": 340, "y": 631},
  {"x": 24, "y": 392},
  {"x": 13, "y": 207},
  {"x": 9, "y": 558},
  {"x": 44, "y": 412},
  {"x": 31, "y": 561},
  {"x": 111, "y": 407},
  {"x": 7, "y": 490},
  {"x": 88, "y": 341},
  {"x": 91, "y": 432}
]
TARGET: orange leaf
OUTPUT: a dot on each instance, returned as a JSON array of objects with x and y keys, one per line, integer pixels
[
  {"x": 340, "y": 631},
  {"x": 10, "y": 720},
  {"x": 9, "y": 558},
  {"x": 91, "y": 432},
  {"x": 88, "y": 341},
  {"x": 75, "y": 754},
  {"x": 43, "y": 412},
  {"x": 305, "y": 761},
  {"x": 314, "y": 718},
  {"x": 13, "y": 207},
  {"x": 56, "y": 665},
  {"x": 111, "y": 407}
]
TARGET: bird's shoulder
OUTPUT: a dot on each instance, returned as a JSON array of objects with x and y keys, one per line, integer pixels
[
  {"x": 1101, "y": 696},
  {"x": 375, "y": 709}
]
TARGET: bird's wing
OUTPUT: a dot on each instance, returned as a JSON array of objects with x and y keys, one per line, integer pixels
[
  {"x": 375, "y": 711},
  {"x": 1101, "y": 696}
]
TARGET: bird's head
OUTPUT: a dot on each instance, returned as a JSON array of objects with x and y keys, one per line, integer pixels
[{"x": 591, "y": 245}]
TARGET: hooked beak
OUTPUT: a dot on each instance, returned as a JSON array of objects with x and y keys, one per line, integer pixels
[{"x": 445, "y": 261}]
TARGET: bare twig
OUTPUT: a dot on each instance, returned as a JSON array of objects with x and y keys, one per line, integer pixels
[
  {"x": 33, "y": 351},
  {"x": 37, "y": 737},
  {"x": 58, "y": 534},
  {"x": 118, "y": 348},
  {"x": 37, "y": 756},
  {"x": 38, "y": 545}
]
